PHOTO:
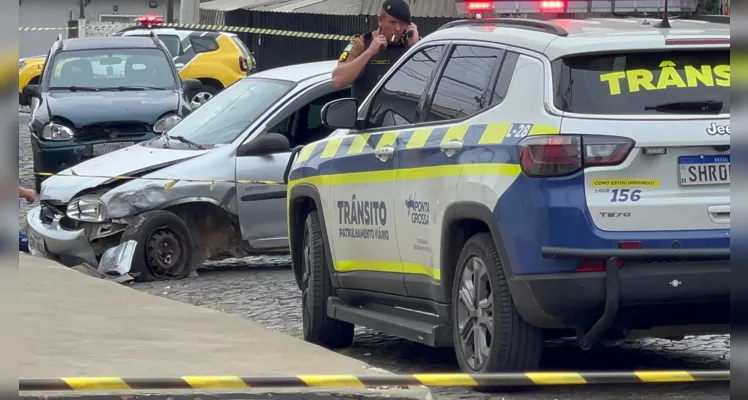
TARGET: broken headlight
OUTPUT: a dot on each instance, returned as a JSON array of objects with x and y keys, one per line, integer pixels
[{"x": 87, "y": 209}]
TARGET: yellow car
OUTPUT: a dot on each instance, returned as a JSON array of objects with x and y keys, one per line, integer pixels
[
  {"x": 29, "y": 72},
  {"x": 216, "y": 59}
]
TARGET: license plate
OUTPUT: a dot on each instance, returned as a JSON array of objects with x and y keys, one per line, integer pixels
[
  {"x": 704, "y": 170},
  {"x": 103, "y": 148},
  {"x": 36, "y": 244}
]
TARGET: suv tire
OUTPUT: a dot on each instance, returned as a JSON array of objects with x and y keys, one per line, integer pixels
[
  {"x": 513, "y": 344},
  {"x": 316, "y": 288}
]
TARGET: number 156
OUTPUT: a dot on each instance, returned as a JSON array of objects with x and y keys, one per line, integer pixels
[{"x": 624, "y": 195}]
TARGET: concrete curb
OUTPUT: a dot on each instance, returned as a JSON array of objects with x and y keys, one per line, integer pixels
[{"x": 397, "y": 394}]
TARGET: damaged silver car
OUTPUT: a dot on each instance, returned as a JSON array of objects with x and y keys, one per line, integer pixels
[{"x": 180, "y": 197}]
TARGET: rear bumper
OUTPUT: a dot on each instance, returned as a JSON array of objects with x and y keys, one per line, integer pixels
[{"x": 653, "y": 288}]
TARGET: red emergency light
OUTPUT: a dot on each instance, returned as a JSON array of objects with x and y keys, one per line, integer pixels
[
  {"x": 478, "y": 6},
  {"x": 552, "y": 5},
  {"x": 149, "y": 19}
]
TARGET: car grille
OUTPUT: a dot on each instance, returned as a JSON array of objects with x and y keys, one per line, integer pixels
[{"x": 113, "y": 130}]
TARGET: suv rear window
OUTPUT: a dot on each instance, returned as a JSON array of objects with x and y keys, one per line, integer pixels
[
  {"x": 627, "y": 83},
  {"x": 244, "y": 50}
]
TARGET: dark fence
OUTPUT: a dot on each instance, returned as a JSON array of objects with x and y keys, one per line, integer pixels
[{"x": 273, "y": 51}]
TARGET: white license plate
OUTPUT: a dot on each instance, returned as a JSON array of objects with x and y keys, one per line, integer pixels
[
  {"x": 36, "y": 244},
  {"x": 704, "y": 170},
  {"x": 103, "y": 148}
]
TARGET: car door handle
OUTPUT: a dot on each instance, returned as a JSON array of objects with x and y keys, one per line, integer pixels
[
  {"x": 451, "y": 147},
  {"x": 384, "y": 153},
  {"x": 719, "y": 214}
]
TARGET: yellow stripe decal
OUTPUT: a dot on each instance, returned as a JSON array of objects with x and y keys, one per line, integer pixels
[
  {"x": 97, "y": 383},
  {"x": 331, "y": 381},
  {"x": 456, "y": 132},
  {"x": 215, "y": 382},
  {"x": 494, "y": 134},
  {"x": 665, "y": 376},
  {"x": 332, "y": 147},
  {"x": 540, "y": 129},
  {"x": 556, "y": 378},
  {"x": 396, "y": 267},
  {"x": 446, "y": 379},
  {"x": 419, "y": 138},
  {"x": 359, "y": 142},
  {"x": 387, "y": 139},
  {"x": 306, "y": 152}
]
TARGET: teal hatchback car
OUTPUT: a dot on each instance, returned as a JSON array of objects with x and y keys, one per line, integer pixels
[{"x": 101, "y": 94}]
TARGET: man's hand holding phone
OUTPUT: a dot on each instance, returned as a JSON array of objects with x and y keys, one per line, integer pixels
[{"x": 411, "y": 34}]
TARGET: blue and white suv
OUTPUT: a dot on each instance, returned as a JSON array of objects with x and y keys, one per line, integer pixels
[{"x": 514, "y": 180}]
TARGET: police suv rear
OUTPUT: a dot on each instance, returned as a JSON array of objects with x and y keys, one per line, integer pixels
[{"x": 512, "y": 180}]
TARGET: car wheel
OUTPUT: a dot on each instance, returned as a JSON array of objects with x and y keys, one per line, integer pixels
[
  {"x": 316, "y": 288},
  {"x": 489, "y": 334},
  {"x": 164, "y": 246},
  {"x": 202, "y": 96}
]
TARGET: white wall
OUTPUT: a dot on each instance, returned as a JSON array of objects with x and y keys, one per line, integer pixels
[{"x": 56, "y": 13}]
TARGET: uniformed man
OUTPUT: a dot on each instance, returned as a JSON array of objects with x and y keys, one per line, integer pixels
[{"x": 368, "y": 57}]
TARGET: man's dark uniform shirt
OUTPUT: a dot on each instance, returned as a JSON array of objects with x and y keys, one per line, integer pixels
[{"x": 383, "y": 60}]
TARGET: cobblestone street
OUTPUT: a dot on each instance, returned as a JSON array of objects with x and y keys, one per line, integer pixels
[{"x": 263, "y": 289}]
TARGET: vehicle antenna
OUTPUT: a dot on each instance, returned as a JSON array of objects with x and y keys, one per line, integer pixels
[{"x": 665, "y": 23}]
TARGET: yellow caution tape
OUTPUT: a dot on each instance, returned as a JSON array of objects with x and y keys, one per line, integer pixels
[
  {"x": 351, "y": 381},
  {"x": 222, "y": 28}
]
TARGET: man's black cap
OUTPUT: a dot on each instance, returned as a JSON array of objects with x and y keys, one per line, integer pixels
[{"x": 398, "y": 9}]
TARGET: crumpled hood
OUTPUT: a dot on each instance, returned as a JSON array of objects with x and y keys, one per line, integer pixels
[
  {"x": 96, "y": 171},
  {"x": 85, "y": 108}
]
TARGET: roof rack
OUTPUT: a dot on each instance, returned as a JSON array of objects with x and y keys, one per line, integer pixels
[
  {"x": 713, "y": 18},
  {"x": 548, "y": 27}
]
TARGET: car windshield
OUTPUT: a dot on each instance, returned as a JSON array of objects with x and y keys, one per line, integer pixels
[
  {"x": 111, "y": 69},
  {"x": 231, "y": 112},
  {"x": 642, "y": 82}
]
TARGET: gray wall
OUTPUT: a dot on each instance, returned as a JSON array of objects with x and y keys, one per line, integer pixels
[{"x": 56, "y": 13}]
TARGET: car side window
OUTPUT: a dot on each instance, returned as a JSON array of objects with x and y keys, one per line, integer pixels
[
  {"x": 501, "y": 88},
  {"x": 462, "y": 88},
  {"x": 203, "y": 44},
  {"x": 398, "y": 102}
]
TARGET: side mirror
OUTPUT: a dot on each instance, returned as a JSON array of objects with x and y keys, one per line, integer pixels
[
  {"x": 265, "y": 144},
  {"x": 32, "y": 91},
  {"x": 340, "y": 114}
]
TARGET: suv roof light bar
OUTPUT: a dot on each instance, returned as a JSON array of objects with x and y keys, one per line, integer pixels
[{"x": 545, "y": 26}]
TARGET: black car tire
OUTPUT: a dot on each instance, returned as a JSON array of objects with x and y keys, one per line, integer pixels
[
  {"x": 316, "y": 288},
  {"x": 154, "y": 230},
  {"x": 515, "y": 345}
]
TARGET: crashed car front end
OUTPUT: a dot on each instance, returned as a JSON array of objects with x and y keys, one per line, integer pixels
[{"x": 81, "y": 216}]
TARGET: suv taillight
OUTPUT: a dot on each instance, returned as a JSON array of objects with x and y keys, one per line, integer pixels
[
  {"x": 243, "y": 64},
  {"x": 560, "y": 155}
]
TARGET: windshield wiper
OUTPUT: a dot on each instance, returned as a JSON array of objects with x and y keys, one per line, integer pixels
[
  {"x": 184, "y": 140},
  {"x": 707, "y": 106},
  {"x": 75, "y": 88},
  {"x": 124, "y": 88}
]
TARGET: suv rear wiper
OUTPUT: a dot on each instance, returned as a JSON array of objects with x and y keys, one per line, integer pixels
[
  {"x": 707, "y": 106},
  {"x": 76, "y": 88},
  {"x": 184, "y": 140}
]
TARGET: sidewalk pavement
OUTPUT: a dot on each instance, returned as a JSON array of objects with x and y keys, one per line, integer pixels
[{"x": 73, "y": 325}]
